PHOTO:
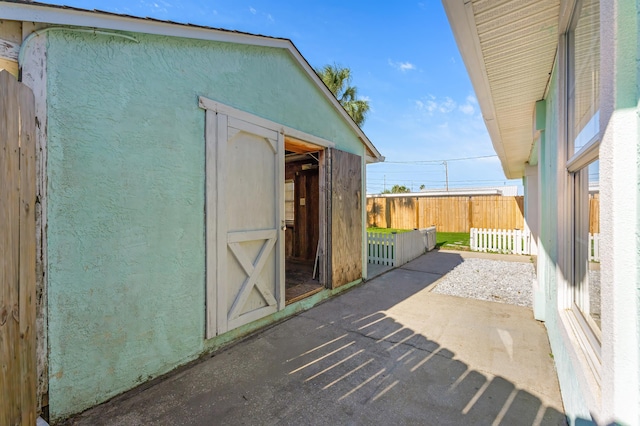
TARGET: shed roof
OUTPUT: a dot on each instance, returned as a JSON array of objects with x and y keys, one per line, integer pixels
[
  {"x": 509, "y": 48},
  {"x": 21, "y": 10}
]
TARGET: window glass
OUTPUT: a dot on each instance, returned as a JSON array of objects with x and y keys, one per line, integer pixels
[
  {"x": 587, "y": 245},
  {"x": 584, "y": 75},
  {"x": 289, "y": 202},
  {"x": 583, "y": 129}
]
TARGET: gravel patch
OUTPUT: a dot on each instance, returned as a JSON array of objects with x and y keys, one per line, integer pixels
[
  {"x": 594, "y": 295},
  {"x": 492, "y": 280}
]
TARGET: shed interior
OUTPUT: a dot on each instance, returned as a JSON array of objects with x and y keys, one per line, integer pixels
[{"x": 303, "y": 218}]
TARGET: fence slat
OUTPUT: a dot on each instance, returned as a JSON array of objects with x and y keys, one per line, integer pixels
[
  {"x": 516, "y": 241},
  {"x": 394, "y": 249},
  {"x": 18, "y": 248},
  {"x": 381, "y": 248}
]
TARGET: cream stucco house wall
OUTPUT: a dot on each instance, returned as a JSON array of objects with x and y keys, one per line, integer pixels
[{"x": 557, "y": 81}]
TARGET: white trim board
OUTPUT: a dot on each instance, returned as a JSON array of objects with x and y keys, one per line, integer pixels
[
  {"x": 34, "y": 75},
  {"x": 210, "y": 105}
]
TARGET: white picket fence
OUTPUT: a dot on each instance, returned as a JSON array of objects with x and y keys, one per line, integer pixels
[
  {"x": 381, "y": 248},
  {"x": 398, "y": 249},
  {"x": 517, "y": 241},
  {"x": 512, "y": 241},
  {"x": 410, "y": 245},
  {"x": 594, "y": 245}
]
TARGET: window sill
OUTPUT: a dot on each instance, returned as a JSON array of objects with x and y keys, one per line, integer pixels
[{"x": 586, "y": 365}]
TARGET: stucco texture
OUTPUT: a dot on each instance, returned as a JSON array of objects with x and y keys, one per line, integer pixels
[{"x": 126, "y": 248}]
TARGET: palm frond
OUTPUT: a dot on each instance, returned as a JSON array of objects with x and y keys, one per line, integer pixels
[{"x": 338, "y": 81}]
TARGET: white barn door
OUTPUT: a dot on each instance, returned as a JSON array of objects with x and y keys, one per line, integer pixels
[{"x": 245, "y": 184}]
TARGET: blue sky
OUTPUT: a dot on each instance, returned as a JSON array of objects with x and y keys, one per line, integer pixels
[{"x": 403, "y": 59}]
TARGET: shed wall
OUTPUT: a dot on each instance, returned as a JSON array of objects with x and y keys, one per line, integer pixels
[{"x": 126, "y": 277}]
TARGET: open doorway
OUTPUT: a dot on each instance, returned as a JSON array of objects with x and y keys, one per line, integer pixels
[{"x": 303, "y": 216}]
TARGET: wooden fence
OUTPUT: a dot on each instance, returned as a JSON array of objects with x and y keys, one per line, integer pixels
[
  {"x": 398, "y": 249},
  {"x": 17, "y": 254},
  {"x": 594, "y": 213},
  {"x": 458, "y": 213},
  {"x": 510, "y": 241},
  {"x": 446, "y": 213}
]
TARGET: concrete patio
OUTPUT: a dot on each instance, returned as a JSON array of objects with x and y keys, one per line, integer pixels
[{"x": 387, "y": 352}]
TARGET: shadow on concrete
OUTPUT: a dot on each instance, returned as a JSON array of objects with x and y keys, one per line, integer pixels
[{"x": 370, "y": 356}]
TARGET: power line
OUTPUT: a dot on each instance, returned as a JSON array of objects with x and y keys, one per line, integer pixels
[
  {"x": 378, "y": 180},
  {"x": 439, "y": 161}
]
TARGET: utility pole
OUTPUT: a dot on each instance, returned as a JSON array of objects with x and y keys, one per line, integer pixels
[{"x": 446, "y": 175}]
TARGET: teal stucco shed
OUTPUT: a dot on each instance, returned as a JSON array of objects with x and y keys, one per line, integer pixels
[{"x": 163, "y": 227}]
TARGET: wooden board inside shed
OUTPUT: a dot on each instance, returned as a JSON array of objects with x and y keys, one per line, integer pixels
[{"x": 302, "y": 236}]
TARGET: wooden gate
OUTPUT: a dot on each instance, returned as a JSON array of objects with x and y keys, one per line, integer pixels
[
  {"x": 17, "y": 254},
  {"x": 245, "y": 218}
]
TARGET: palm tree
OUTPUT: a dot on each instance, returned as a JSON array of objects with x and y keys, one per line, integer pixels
[
  {"x": 338, "y": 81},
  {"x": 397, "y": 189}
]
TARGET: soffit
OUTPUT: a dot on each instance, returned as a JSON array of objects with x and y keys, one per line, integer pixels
[{"x": 509, "y": 49}]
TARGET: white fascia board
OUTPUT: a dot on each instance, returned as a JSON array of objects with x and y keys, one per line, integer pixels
[
  {"x": 86, "y": 18},
  {"x": 462, "y": 21},
  {"x": 81, "y": 18},
  {"x": 372, "y": 160}
]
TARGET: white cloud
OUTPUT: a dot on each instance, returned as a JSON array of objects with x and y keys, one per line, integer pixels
[
  {"x": 270, "y": 18},
  {"x": 155, "y": 6},
  {"x": 469, "y": 107},
  {"x": 431, "y": 104},
  {"x": 447, "y": 105},
  {"x": 405, "y": 66},
  {"x": 252, "y": 10},
  {"x": 402, "y": 66},
  {"x": 428, "y": 105}
]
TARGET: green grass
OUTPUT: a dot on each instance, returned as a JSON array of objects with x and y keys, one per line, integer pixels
[
  {"x": 388, "y": 230},
  {"x": 445, "y": 240},
  {"x": 452, "y": 240}
]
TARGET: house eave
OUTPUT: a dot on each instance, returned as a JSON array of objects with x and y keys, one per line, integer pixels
[{"x": 506, "y": 67}]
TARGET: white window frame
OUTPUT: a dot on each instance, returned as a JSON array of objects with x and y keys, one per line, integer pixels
[
  {"x": 587, "y": 339},
  {"x": 290, "y": 201}
]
